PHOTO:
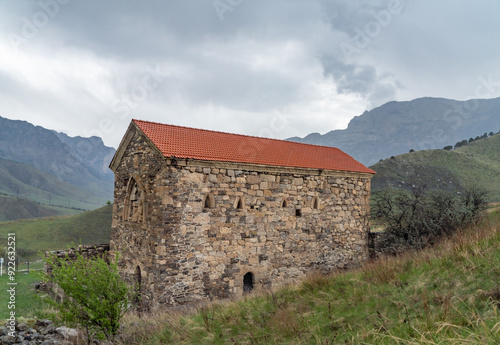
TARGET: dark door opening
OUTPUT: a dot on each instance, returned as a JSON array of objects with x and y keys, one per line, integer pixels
[{"x": 248, "y": 282}]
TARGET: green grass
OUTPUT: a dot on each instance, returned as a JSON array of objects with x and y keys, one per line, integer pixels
[
  {"x": 12, "y": 208},
  {"x": 56, "y": 233},
  {"x": 27, "y": 303},
  {"x": 40, "y": 235},
  {"x": 476, "y": 164},
  {"x": 446, "y": 295}
]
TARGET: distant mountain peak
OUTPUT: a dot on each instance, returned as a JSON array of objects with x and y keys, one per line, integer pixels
[
  {"x": 398, "y": 126},
  {"x": 80, "y": 162}
]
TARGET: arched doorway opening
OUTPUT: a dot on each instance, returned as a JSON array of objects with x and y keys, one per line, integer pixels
[{"x": 248, "y": 282}]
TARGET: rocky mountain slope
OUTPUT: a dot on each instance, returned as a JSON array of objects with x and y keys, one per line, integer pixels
[
  {"x": 52, "y": 168},
  {"x": 397, "y": 127}
]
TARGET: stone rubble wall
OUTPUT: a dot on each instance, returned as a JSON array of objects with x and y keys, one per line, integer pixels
[
  {"x": 188, "y": 231},
  {"x": 42, "y": 332},
  {"x": 88, "y": 251}
]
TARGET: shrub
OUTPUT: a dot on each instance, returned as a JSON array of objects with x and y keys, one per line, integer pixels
[
  {"x": 416, "y": 218},
  {"x": 94, "y": 295}
]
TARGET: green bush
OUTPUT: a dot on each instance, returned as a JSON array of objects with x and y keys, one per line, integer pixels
[
  {"x": 416, "y": 218},
  {"x": 94, "y": 295}
]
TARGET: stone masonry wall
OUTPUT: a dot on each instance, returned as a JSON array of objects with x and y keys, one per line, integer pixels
[
  {"x": 88, "y": 251},
  {"x": 189, "y": 230}
]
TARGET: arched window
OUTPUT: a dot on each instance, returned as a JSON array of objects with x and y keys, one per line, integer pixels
[
  {"x": 239, "y": 203},
  {"x": 209, "y": 201},
  {"x": 248, "y": 281},
  {"x": 135, "y": 206},
  {"x": 284, "y": 203},
  {"x": 315, "y": 203},
  {"x": 138, "y": 283}
]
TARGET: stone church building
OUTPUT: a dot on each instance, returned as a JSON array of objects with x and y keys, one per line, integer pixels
[{"x": 201, "y": 214}]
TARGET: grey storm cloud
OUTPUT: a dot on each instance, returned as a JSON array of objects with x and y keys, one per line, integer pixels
[
  {"x": 345, "y": 15},
  {"x": 181, "y": 39},
  {"x": 358, "y": 26},
  {"x": 233, "y": 64},
  {"x": 362, "y": 79},
  {"x": 154, "y": 29}
]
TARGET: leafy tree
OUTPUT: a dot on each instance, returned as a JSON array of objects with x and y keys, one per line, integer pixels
[
  {"x": 416, "y": 218},
  {"x": 461, "y": 143},
  {"x": 94, "y": 295},
  {"x": 448, "y": 148}
]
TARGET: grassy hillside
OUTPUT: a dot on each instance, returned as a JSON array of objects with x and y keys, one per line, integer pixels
[
  {"x": 448, "y": 294},
  {"x": 12, "y": 208},
  {"x": 445, "y": 295},
  {"x": 27, "y": 182},
  {"x": 476, "y": 164},
  {"x": 60, "y": 232}
]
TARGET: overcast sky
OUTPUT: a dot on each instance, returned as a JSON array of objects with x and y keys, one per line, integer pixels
[{"x": 275, "y": 68}]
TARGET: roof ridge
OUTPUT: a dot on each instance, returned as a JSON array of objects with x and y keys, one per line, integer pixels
[
  {"x": 205, "y": 144},
  {"x": 241, "y": 135}
]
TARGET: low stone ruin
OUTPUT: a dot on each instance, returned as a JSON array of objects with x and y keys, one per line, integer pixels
[{"x": 43, "y": 332}]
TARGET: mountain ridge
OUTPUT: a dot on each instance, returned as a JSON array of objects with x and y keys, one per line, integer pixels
[
  {"x": 398, "y": 126},
  {"x": 58, "y": 171},
  {"x": 57, "y": 154},
  {"x": 91, "y": 151}
]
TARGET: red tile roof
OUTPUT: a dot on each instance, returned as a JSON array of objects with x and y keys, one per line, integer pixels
[{"x": 184, "y": 142}]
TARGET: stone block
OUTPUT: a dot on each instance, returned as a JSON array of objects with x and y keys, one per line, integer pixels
[{"x": 253, "y": 179}]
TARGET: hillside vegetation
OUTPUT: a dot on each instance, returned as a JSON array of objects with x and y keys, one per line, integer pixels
[
  {"x": 474, "y": 165},
  {"x": 12, "y": 208},
  {"x": 448, "y": 294},
  {"x": 57, "y": 233}
]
